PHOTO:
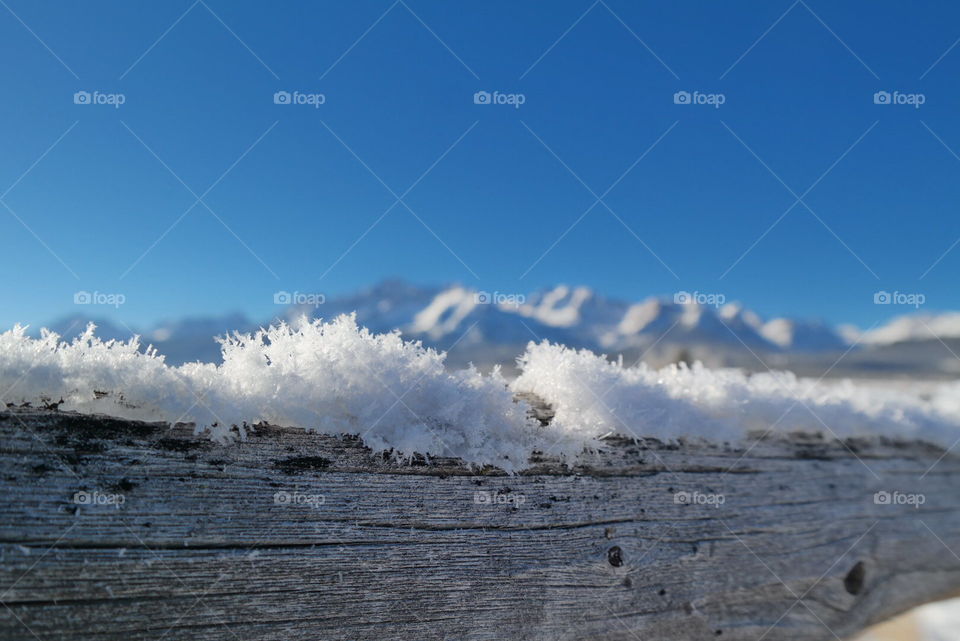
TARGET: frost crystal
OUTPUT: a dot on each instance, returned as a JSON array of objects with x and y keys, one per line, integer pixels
[
  {"x": 592, "y": 395},
  {"x": 330, "y": 377},
  {"x": 337, "y": 378}
]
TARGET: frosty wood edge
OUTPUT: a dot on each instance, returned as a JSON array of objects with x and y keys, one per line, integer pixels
[{"x": 292, "y": 535}]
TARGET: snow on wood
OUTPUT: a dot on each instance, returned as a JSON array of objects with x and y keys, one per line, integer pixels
[{"x": 339, "y": 378}]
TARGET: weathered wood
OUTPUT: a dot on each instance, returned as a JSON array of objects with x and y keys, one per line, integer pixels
[{"x": 204, "y": 547}]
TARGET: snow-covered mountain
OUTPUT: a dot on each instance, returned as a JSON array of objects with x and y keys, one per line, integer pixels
[
  {"x": 806, "y": 336},
  {"x": 915, "y": 327},
  {"x": 576, "y": 308},
  {"x": 657, "y": 320},
  {"x": 487, "y": 328},
  {"x": 479, "y": 323},
  {"x": 386, "y": 306}
]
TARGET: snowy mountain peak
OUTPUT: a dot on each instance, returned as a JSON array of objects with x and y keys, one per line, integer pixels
[
  {"x": 659, "y": 319},
  {"x": 570, "y": 307},
  {"x": 803, "y": 335},
  {"x": 445, "y": 313},
  {"x": 641, "y": 316},
  {"x": 497, "y": 326},
  {"x": 737, "y": 313},
  {"x": 915, "y": 327},
  {"x": 558, "y": 307}
]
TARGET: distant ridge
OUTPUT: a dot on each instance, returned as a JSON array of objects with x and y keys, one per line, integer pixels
[{"x": 488, "y": 328}]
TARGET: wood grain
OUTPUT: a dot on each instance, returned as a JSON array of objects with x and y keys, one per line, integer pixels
[{"x": 293, "y": 535}]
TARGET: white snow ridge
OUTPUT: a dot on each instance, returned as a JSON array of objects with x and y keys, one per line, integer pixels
[
  {"x": 330, "y": 377},
  {"x": 592, "y": 396},
  {"x": 336, "y": 377}
]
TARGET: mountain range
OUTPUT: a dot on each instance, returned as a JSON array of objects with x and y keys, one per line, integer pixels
[{"x": 491, "y": 328}]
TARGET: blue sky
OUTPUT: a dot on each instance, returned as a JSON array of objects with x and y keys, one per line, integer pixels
[{"x": 305, "y": 197}]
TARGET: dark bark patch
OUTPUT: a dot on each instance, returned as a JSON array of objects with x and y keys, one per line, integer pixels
[{"x": 301, "y": 464}]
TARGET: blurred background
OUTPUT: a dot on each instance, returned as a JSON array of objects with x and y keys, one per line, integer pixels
[
  {"x": 175, "y": 168},
  {"x": 933, "y": 622}
]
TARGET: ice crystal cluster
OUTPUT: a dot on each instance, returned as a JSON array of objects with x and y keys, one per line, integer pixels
[{"x": 335, "y": 377}]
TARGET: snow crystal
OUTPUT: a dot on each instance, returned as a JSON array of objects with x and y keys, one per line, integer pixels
[
  {"x": 592, "y": 395},
  {"x": 336, "y": 377},
  {"x": 330, "y": 377}
]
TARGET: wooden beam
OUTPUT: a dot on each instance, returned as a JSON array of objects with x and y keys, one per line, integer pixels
[{"x": 113, "y": 529}]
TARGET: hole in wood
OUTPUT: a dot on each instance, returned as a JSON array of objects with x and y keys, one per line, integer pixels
[
  {"x": 855, "y": 578},
  {"x": 615, "y": 556}
]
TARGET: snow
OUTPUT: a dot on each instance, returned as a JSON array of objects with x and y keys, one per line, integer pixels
[
  {"x": 736, "y": 312},
  {"x": 595, "y": 322},
  {"x": 640, "y": 317},
  {"x": 336, "y": 377},
  {"x": 578, "y": 308},
  {"x": 445, "y": 313},
  {"x": 939, "y": 621},
  {"x": 808, "y": 336},
  {"x": 559, "y": 307},
  {"x": 779, "y": 331},
  {"x": 691, "y": 323},
  {"x": 485, "y": 329},
  {"x": 916, "y": 327},
  {"x": 592, "y": 396},
  {"x": 331, "y": 377}
]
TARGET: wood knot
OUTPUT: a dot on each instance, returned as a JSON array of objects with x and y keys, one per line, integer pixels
[
  {"x": 855, "y": 578},
  {"x": 615, "y": 556}
]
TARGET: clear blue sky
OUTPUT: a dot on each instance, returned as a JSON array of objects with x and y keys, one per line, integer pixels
[{"x": 300, "y": 209}]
